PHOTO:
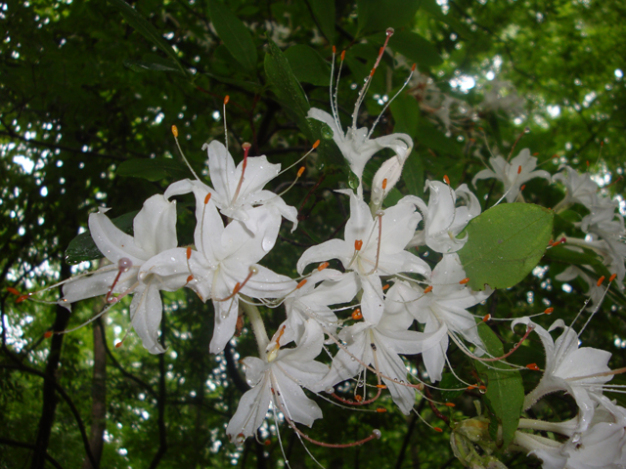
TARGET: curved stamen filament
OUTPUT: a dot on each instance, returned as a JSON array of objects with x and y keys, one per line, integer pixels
[
  {"x": 123, "y": 265},
  {"x": 238, "y": 286},
  {"x": 380, "y": 235},
  {"x": 175, "y": 133},
  {"x": 246, "y": 149},
  {"x": 226, "y": 99}
]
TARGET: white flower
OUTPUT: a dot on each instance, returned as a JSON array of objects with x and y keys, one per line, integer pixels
[
  {"x": 445, "y": 307},
  {"x": 279, "y": 379},
  {"x": 580, "y": 188},
  {"x": 513, "y": 174},
  {"x": 356, "y": 145},
  {"x": 154, "y": 232},
  {"x": 443, "y": 220},
  {"x": 579, "y": 371},
  {"x": 237, "y": 190},
  {"x": 223, "y": 266},
  {"x": 373, "y": 247},
  {"x": 379, "y": 346}
]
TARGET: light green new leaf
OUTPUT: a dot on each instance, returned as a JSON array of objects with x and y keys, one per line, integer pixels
[
  {"x": 234, "y": 33},
  {"x": 505, "y": 243},
  {"x": 307, "y": 65},
  {"x": 134, "y": 18},
  {"x": 505, "y": 390},
  {"x": 415, "y": 48},
  {"x": 324, "y": 14},
  {"x": 82, "y": 248},
  {"x": 153, "y": 169}
]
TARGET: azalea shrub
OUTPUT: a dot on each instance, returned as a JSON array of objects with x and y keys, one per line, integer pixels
[{"x": 402, "y": 264}]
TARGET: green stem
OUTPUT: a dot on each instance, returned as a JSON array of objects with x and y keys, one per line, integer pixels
[{"x": 258, "y": 327}]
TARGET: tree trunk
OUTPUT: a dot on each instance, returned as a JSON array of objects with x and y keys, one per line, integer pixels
[{"x": 98, "y": 394}]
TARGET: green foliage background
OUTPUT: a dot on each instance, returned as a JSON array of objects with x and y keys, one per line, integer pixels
[{"x": 88, "y": 92}]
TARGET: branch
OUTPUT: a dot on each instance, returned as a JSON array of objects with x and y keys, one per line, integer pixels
[
  {"x": 19, "y": 444},
  {"x": 161, "y": 407}
]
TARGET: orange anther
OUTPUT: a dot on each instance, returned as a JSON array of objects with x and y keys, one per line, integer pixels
[
  {"x": 532, "y": 366},
  {"x": 612, "y": 277},
  {"x": 381, "y": 386},
  {"x": 343, "y": 55},
  {"x": 471, "y": 386},
  {"x": 482, "y": 387},
  {"x": 226, "y": 99},
  {"x": 267, "y": 442},
  {"x": 549, "y": 310},
  {"x": 21, "y": 298},
  {"x": 519, "y": 169},
  {"x": 300, "y": 171},
  {"x": 190, "y": 278},
  {"x": 175, "y": 131},
  {"x": 523, "y": 187},
  {"x": 188, "y": 252},
  {"x": 302, "y": 283},
  {"x": 446, "y": 179},
  {"x": 428, "y": 289},
  {"x": 437, "y": 429},
  {"x": 358, "y": 398},
  {"x": 381, "y": 410},
  {"x": 384, "y": 183},
  {"x": 334, "y": 49},
  {"x": 536, "y": 153},
  {"x": 486, "y": 317},
  {"x": 322, "y": 266},
  {"x": 119, "y": 344},
  {"x": 413, "y": 67},
  {"x": 385, "y": 287},
  {"x": 357, "y": 315},
  {"x": 450, "y": 404},
  {"x": 48, "y": 334},
  {"x": 464, "y": 281},
  {"x": 358, "y": 244},
  {"x": 13, "y": 291},
  {"x": 207, "y": 198},
  {"x": 600, "y": 280},
  {"x": 316, "y": 144}
]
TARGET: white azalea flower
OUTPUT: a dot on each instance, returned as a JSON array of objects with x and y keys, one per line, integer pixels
[
  {"x": 513, "y": 174},
  {"x": 278, "y": 378},
  {"x": 373, "y": 247},
  {"x": 223, "y": 266},
  {"x": 443, "y": 220},
  {"x": 154, "y": 232},
  {"x": 580, "y": 188},
  {"x": 445, "y": 307},
  {"x": 237, "y": 190},
  {"x": 380, "y": 345},
  {"x": 579, "y": 371}
]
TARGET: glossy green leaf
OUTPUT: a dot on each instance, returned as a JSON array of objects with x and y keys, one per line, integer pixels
[
  {"x": 152, "y": 63},
  {"x": 323, "y": 12},
  {"x": 378, "y": 15},
  {"x": 413, "y": 174},
  {"x": 286, "y": 86},
  {"x": 82, "y": 248},
  {"x": 415, "y": 48},
  {"x": 406, "y": 113},
  {"x": 153, "y": 169},
  {"x": 307, "y": 65},
  {"x": 505, "y": 243},
  {"x": 234, "y": 33},
  {"x": 505, "y": 389},
  {"x": 137, "y": 21},
  {"x": 429, "y": 136}
]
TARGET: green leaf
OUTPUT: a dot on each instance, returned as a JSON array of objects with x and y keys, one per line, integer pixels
[
  {"x": 152, "y": 63},
  {"x": 82, "y": 248},
  {"x": 406, "y": 113},
  {"x": 323, "y": 12},
  {"x": 415, "y": 48},
  {"x": 429, "y": 136},
  {"x": 137, "y": 21},
  {"x": 307, "y": 65},
  {"x": 505, "y": 243},
  {"x": 413, "y": 174},
  {"x": 234, "y": 33},
  {"x": 378, "y": 15},
  {"x": 286, "y": 87},
  {"x": 505, "y": 389},
  {"x": 153, "y": 169}
]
